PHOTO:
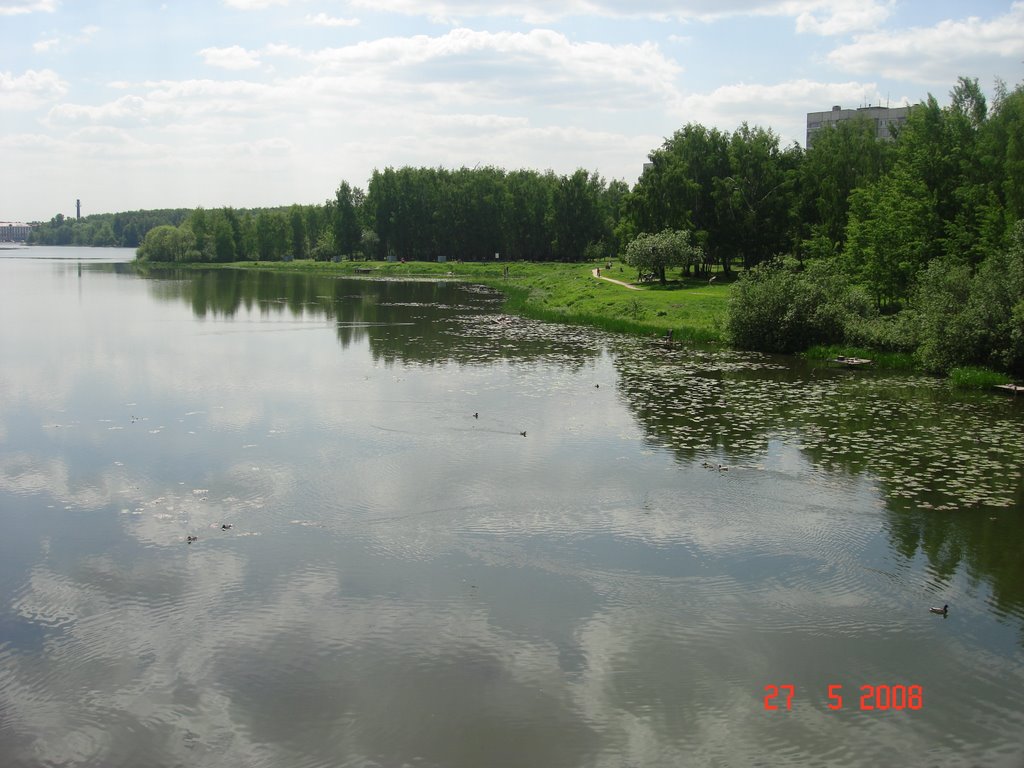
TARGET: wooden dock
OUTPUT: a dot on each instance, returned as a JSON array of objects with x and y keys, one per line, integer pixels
[{"x": 1013, "y": 389}]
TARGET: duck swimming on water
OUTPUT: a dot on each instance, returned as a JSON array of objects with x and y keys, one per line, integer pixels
[{"x": 943, "y": 611}]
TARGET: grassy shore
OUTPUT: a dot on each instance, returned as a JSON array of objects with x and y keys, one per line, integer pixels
[
  {"x": 693, "y": 309},
  {"x": 894, "y": 361}
]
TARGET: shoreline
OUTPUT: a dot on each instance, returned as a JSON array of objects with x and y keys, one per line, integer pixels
[{"x": 551, "y": 291}]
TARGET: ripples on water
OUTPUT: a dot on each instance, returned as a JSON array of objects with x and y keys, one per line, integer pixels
[{"x": 405, "y": 583}]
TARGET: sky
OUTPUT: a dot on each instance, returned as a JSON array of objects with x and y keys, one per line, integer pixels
[{"x": 137, "y": 104}]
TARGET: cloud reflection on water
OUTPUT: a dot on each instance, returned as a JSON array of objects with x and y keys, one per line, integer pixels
[{"x": 587, "y": 595}]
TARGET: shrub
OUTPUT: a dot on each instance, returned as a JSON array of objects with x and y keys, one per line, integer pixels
[
  {"x": 778, "y": 307},
  {"x": 973, "y": 319}
]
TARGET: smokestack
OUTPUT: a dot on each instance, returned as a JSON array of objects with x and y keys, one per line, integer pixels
[{"x": 78, "y": 209}]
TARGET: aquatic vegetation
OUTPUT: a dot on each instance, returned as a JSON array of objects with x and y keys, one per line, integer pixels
[{"x": 972, "y": 377}]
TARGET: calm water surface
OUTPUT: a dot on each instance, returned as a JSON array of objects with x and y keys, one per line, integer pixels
[{"x": 407, "y": 580}]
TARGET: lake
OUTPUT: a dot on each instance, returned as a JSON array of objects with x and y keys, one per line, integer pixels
[{"x": 430, "y": 534}]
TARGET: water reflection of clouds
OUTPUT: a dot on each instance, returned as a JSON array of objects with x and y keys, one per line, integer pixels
[
  {"x": 25, "y": 474},
  {"x": 618, "y": 598},
  {"x": 129, "y": 664},
  {"x": 126, "y": 663}
]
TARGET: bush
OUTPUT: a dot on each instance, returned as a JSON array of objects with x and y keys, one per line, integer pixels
[
  {"x": 970, "y": 319},
  {"x": 892, "y": 333},
  {"x": 779, "y": 307}
]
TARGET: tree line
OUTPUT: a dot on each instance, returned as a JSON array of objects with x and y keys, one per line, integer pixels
[
  {"x": 415, "y": 214},
  {"x": 112, "y": 230},
  {"x": 915, "y": 245}
]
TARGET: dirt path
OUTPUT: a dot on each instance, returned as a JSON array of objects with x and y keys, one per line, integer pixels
[{"x": 595, "y": 272}]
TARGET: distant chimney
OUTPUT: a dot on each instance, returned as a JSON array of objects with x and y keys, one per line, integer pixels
[{"x": 78, "y": 209}]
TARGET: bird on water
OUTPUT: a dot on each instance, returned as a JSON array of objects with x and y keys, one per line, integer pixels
[{"x": 943, "y": 611}]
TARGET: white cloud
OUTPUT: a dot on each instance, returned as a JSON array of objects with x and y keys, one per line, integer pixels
[
  {"x": 819, "y": 16},
  {"x": 499, "y": 66},
  {"x": 41, "y": 46},
  {"x": 235, "y": 57},
  {"x": 938, "y": 53},
  {"x": 31, "y": 89},
  {"x": 840, "y": 18},
  {"x": 19, "y": 7},
  {"x": 323, "y": 20},
  {"x": 85, "y": 36},
  {"x": 253, "y": 5}
]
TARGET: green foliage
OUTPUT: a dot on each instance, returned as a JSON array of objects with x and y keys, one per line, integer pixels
[
  {"x": 779, "y": 307},
  {"x": 369, "y": 243},
  {"x": 471, "y": 214},
  {"x": 299, "y": 241},
  {"x": 653, "y": 254},
  {"x": 167, "y": 243},
  {"x": 973, "y": 377},
  {"x": 577, "y": 215},
  {"x": 325, "y": 248},
  {"x": 892, "y": 361},
  {"x": 843, "y": 157},
  {"x": 733, "y": 191},
  {"x": 346, "y": 229},
  {"x": 888, "y": 234},
  {"x": 758, "y": 194},
  {"x": 974, "y": 319},
  {"x": 120, "y": 230}
]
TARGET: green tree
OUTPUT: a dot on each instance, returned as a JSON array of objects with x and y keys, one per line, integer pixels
[
  {"x": 297, "y": 223},
  {"x": 529, "y": 195},
  {"x": 223, "y": 237},
  {"x": 103, "y": 236},
  {"x": 654, "y": 254},
  {"x": 890, "y": 223},
  {"x": 757, "y": 194},
  {"x": 678, "y": 190},
  {"x": 167, "y": 243},
  {"x": 347, "y": 231},
  {"x": 577, "y": 216},
  {"x": 843, "y": 157},
  {"x": 977, "y": 318},
  {"x": 273, "y": 236}
]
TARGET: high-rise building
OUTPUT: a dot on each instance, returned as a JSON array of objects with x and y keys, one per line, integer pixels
[{"x": 883, "y": 118}]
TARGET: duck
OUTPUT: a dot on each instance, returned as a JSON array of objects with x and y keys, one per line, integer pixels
[
  {"x": 476, "y": 415},
  {"x": 190, "y": 539},
  {"x": 523, "y": 433},
  {"x": 943, "y": 611},
  {"x": 225, "y": 526}
]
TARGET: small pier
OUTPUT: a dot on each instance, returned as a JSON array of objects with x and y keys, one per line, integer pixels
[{"x": 1012, "y": 389}]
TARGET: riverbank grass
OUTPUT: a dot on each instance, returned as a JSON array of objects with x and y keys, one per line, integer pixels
[
  {"x": 891, "y": 361},
  {"x": 970, "y": 377}
]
